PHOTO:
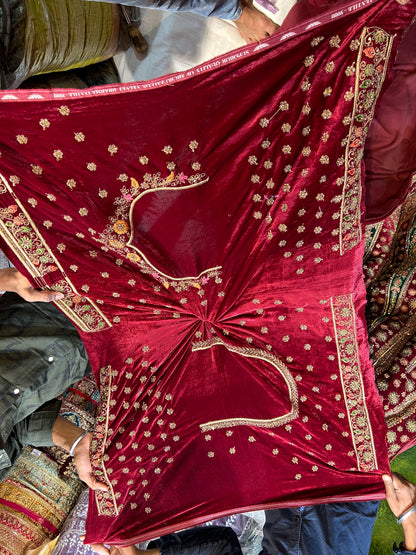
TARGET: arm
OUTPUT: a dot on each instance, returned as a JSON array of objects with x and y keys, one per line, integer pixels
[
  {"x": 64, "y": 434},
  {"x": 401, "y": 496},
  {"x": 12, "y": 280},
  {"x": 252, "y": 24}
]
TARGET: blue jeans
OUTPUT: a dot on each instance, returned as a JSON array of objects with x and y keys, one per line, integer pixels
[{"x": 213, "y": 540}]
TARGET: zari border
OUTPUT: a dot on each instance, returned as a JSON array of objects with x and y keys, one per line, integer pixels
[
  {"x": 267, "y": 357},
  {"x": 343, "y": 316},
  {"x": 130, "y": 244},
  {"x": 79, "y": 309},
  {"x": 370, "y": 68},
  {"x": 105, "y": 500}
]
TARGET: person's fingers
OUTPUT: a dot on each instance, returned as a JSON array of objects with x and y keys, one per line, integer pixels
[
  {"x": 389, "y": 486},
  {"x": 34, "y": 296},
  {"x": 91, "y": 481},
  {"x": 96, "y": 485},
  {"x": 99, "y": 548}
]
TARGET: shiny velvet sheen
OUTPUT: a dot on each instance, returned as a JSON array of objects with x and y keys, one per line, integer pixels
[{"x": 207, "y": 231}]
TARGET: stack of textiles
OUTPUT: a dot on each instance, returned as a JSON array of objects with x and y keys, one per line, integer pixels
[
  {"x": 390, "y": 274},
  {"x": 34, "y": 502}
]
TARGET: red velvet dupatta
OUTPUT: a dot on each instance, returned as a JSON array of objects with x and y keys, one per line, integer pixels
[{"x": 206, "y": 229}]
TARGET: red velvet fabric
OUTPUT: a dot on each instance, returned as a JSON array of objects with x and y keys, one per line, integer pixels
[{"x": 207, "y": 231}]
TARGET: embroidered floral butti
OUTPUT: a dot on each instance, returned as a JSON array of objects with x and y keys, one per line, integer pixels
[{"x": 213, "y": 226}]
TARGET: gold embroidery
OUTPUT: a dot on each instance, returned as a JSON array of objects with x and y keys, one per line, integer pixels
[
  {"x": 375, "y": 48},
  {"x": 261, "y": 355},
  {"x": 343, "y": 315},
  {"x": 119, "y": 233},
  {"x": 64, "y": 110},
  {"x": 106, "y": 501},
  {"x": 44, "y": 123},
  {"x": 24, "y": 238}
]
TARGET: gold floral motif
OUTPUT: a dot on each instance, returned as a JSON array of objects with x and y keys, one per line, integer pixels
[
  {"x": 264, "y": 122},
  {"x": 324, "y": 159},
  {"x": 327, "y": 92},
  {"x": 44, "y": 123},
  {"x": 196, "y": 166},
  {"x": 308, "y": 61},
  {"x": 14, "y": 179},
  {"x": 284, "y": 106},
  {"x": 306, "y": 151},
  {"x": 306, "y": 109},
  {"x": 349, "y": 95},
  {"x": 83, "y": 212},
  {"x": 306, "y": 85},
  {"x": 265, "y": 144},
  {"x": 71, "y": 183},
  {"x": 37, "y": 170},
  {"x": 193, "y": 145},
  {"x": 112, "y": 149},
  {"x": 329, "y": 67},
  {"x": 326, "y": 114},
  {"x": 91, "y": 166},
  {"x": 143, "y": 160},
  {"x": 315, "y": 41},
  {"x": 355, "y": 44},
  {"x": 350, "y": 70},
  {"x": 79, "y": 137},
  {"x": 252, "y": 160},
  {"x": 58, "y": 154},
  {"x": 167, "y": 149},
  {"x": 64, "y": 110},
  {"x": 286, "y": 149},
  {"x": 335, "y": 41},
  {"x": 21, "y": 139}
]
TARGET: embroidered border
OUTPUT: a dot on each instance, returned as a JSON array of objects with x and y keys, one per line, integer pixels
[
  {"x": 267, "y": 357},
  {"x": 343, "y": 316},
  {"x": 26, "y": 241},
  {"x": 371, "y": 67},
  {"x": 106, "y": 501},
  {"x": 118, "y": 234}
]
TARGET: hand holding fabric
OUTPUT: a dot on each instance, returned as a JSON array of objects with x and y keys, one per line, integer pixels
[
  {"x": 83, "y": 464},
  {"x": 12, "y": 280},
  {"x": 401, "y": 496},
  {"x": 400, "y": 493},
  {"x": 253, "y": 24}
]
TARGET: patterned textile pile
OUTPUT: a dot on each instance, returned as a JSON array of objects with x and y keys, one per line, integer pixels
[{"x": 390, "y": 274}]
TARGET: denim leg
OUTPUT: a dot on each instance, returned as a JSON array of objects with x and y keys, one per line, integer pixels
[{"x": 210, "y": 540}]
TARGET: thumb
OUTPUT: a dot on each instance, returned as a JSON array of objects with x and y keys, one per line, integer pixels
[
  {"x": 389, "y": 486},
  {"x": 45, "y": 296},
  {"x": 96, "y": 485}
]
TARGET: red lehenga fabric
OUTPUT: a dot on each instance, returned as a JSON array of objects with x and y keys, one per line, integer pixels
[{"x": 207, "y": 231}]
